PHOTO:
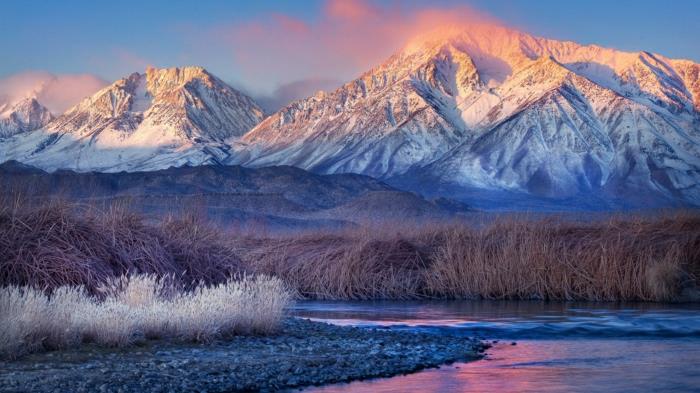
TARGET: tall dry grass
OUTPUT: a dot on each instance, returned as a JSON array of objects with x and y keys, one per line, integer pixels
[
  {"x": 136, "y": 308},
  {"x": 626, "y": 257},
  {"x": 56, "y": 243},
  {"x": 622, "y": 258}
]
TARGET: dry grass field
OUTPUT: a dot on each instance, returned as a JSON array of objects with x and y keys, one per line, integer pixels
[{"x": 622, "y": 257}]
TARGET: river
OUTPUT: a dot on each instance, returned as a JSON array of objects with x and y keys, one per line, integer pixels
[{"x": 541, "y": 346}]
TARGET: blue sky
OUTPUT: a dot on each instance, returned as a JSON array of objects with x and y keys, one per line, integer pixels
[{"x": 111, "y": 39}]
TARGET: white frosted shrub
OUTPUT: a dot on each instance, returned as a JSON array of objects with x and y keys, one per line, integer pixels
[
  {"x": 23, "y": 318},
  {"x": 134, "y": 308}
]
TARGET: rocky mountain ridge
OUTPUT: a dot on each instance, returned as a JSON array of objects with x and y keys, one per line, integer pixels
[
  {"x": 22, "y": 116},
  {"x": 495, "y": 109},
  {"x": 164, "y": 117},
  {"x": 456, "y": 111}
]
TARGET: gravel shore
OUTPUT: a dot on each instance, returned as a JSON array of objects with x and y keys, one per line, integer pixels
[{"x": 303, "y": 353}]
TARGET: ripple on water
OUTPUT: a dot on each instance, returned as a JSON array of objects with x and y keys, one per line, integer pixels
[{"x": 561, "y": 347}]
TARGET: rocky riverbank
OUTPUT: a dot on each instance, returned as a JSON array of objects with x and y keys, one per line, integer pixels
[{"x": 303, "y": 353}]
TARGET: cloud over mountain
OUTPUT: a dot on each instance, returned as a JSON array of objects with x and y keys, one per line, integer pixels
[
  {"x": 57, "y": 92},
  {"x": 346, "y": 39}
]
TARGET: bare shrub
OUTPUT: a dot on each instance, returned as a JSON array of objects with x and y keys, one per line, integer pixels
[{"x": 58, "y": 243}]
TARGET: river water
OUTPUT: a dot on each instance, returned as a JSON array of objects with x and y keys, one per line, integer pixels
[{"x": 559, "y": 347}]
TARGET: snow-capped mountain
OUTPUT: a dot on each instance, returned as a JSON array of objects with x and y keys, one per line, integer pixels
[
  {"x": 165, "y": 117},
  {"x": 495, "y": 109},
  {"x": 393, "y": 117},
  {"x": 22, "y": 116},
  {"x": 480, "y": 108}
]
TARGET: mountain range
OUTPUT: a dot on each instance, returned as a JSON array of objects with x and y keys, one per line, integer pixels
[
  {"x": 480, "y": 113},
  {"x": 161, "y": 118}
]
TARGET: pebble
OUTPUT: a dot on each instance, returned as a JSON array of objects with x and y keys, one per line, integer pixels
[{"x": 302, "y": 353}]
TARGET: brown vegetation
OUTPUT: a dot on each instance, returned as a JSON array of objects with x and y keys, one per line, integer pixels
[
  {"x": 620, "y": 258},
  {"x": 56, "y": 244},
  {"x": 623, "y": 258}
]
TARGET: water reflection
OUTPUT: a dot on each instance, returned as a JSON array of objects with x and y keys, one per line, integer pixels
[{"x": 561, "y": 347}]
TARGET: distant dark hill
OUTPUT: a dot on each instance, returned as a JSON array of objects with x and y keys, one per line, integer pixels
[
  {"x": 392, "y": 205},
  {"x": 271, "y": 197}
]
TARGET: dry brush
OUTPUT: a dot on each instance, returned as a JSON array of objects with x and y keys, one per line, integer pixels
[
  {"x": 626, "y": 257},
  {"x": 621, "y": 258}
]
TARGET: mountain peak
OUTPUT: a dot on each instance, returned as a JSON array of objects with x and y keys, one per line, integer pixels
[
  {"x": 478, "y": 106},
  {"x": 489, "y": 107},
  {"x": 184, "y": 101},
  {"x": 190, "y": 71},
  {"x": 455, "y": 34},
  {"x": 159, "y": 79},
  {"x": 163, "y": 117},
  {"x": 24, "y": 115}
]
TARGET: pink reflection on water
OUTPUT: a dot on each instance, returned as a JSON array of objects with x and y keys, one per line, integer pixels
[
  {"x": 582, "y": 347},
  {"x": 553, "y": 366}
]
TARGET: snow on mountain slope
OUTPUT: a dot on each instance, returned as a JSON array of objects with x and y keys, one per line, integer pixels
[
  {"x": 165, "y": 117},
  {"x": 690, "y": 73},
  {"x": 480, "y": 107},
  {"x": 22, "y": 116},
  {"x": 390, "y": 119},
  {"x": 576, "y": 138},
  {"x": 493, "y": 108}
]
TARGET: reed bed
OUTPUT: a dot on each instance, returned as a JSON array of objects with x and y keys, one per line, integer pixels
[
  {"x": 618, "y": 258},
  {"x": 136, "y": 308},
  {"x": 621, "y": 258},
  {"x": 57, "y": 243}
]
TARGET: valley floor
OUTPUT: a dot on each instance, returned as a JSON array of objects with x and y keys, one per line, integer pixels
[{"x": 51, "y": 245}]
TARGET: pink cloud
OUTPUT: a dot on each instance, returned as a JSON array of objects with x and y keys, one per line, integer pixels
[
  {"x": 56, "y": 92},
  {"x": 348, "y": 38},
  {"x": 351, "y": 10},
  {"x": 292, "y": 25}
]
